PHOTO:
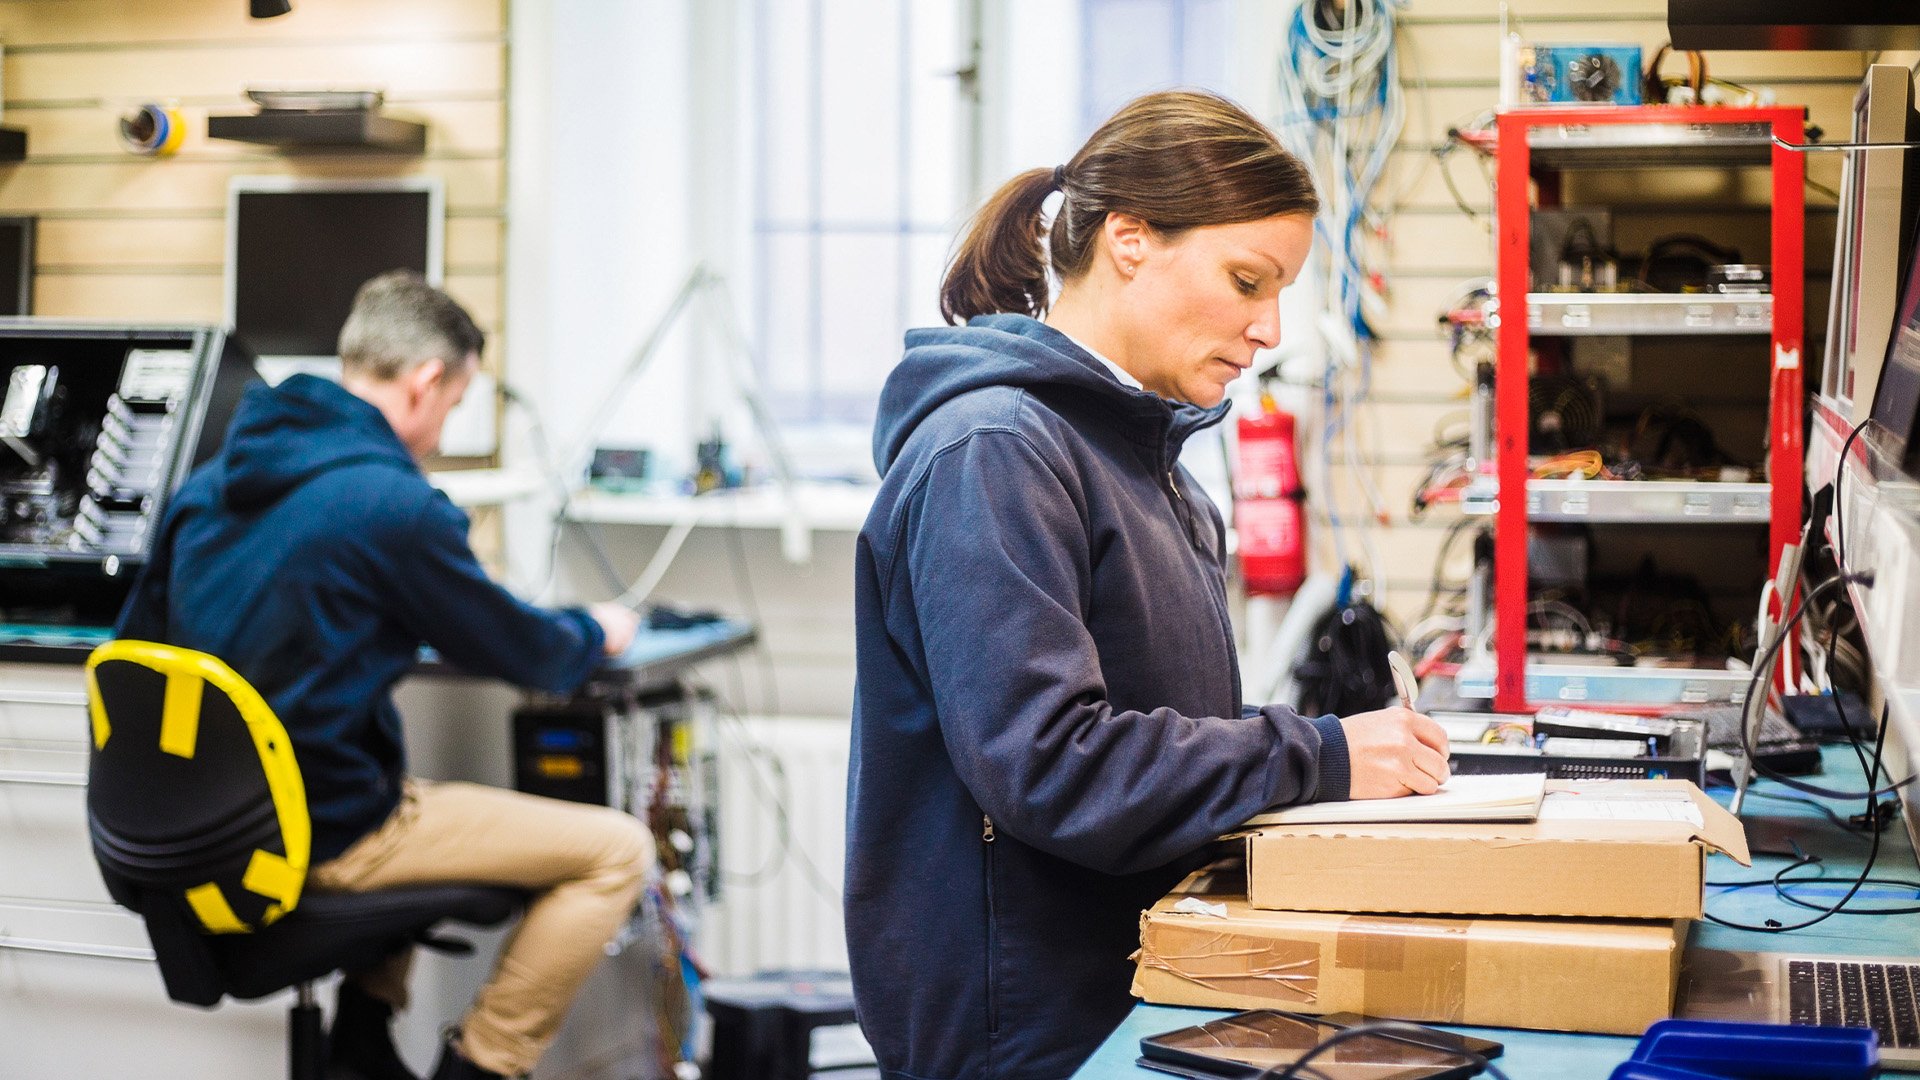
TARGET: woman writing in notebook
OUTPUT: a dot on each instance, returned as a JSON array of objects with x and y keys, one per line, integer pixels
[{"x": 1048, "y": 724}]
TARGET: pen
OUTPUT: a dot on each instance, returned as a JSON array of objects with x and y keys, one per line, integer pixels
[{"x": 1403, "y": 679}]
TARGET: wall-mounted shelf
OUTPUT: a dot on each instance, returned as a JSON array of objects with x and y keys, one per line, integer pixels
[
  {"x": 824, "y": 507},
  {"x": 292, "y": 129}
]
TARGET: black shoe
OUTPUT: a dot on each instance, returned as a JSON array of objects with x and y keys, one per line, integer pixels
[
  {"x": 360, "y": 1046},
  {"x": 455, "y": 1066}
]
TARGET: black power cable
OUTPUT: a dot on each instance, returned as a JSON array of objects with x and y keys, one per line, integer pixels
[
  {"x": 1763, "y": 671},
  {"x": 1839, "y": 476},
  {"x": 1823, "y": 913}
]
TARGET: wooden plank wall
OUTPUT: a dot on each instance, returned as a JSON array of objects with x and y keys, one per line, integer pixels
[
  {"x": 126, "y": 237},
  {"x": 1449, "y": 55}
]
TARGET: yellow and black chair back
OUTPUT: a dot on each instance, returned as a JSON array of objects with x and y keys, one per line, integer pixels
[
  {"x": 200, "y": 826},
  {"x": 194, "y": 798}
]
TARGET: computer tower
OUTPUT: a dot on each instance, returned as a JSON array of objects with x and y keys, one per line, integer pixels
[{"x": 564, "y": 750}]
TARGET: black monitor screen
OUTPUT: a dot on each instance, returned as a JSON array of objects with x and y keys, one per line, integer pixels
[
  {"x": 299, "y": 256},
  {"x": 16, "y": 265},
  {"x": 1897, "y": 402}
]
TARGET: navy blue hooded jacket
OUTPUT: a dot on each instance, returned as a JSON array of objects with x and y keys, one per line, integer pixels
[
  {"x": 314, "y": 558},
  {"x": 1047, "y": 725}
]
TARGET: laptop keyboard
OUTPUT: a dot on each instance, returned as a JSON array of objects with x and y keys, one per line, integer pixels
[
  {"x": 1826, "y": 993},
  {"x": 1723, "y": 727}
]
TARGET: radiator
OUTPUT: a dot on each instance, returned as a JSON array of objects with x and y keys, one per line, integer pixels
[{"x": 779, "y": 903}]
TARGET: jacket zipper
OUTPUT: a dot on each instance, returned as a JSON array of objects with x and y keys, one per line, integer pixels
[
  {"x": 1219, "y": 602},
  {"x": 993, "y": 1004}
]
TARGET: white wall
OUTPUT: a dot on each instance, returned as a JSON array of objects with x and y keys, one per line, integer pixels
[{"x": 605, "y": 220}]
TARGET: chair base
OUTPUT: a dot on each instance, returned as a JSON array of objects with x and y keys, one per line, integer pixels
[{"x": 306, "y": 1037}]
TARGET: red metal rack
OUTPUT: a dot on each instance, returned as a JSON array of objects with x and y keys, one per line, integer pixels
[{"x": 1531, "y": 148}]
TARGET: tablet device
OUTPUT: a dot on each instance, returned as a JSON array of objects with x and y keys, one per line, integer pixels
[{"x": 1242, "y": 1046}]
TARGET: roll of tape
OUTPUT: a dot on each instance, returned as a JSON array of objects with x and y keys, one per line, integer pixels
[{"x": 153, "y": 130}]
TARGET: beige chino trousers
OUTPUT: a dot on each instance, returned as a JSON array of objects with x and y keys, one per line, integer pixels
[{"x": 583, "y": 865}]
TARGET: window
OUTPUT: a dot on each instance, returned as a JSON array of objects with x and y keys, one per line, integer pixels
[
  {"x": 1133, "y": 46},
  {"x": 861, "y": 114},
  {"x": 863, "y": 122}
]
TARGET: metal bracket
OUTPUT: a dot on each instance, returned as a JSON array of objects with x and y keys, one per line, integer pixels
[{"x": 1822, "y": 148}]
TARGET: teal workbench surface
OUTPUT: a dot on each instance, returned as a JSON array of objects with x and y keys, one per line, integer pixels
[{"x": 1774, "y": 825}]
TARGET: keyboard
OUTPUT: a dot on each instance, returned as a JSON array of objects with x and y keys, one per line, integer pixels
[
  {"x": 1831, "y": 993},
  {"x": 1778, "y": 744},
  {"x": 1723, "y": 727}
]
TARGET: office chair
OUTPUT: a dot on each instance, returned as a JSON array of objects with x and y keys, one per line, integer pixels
[{"x": 199, "y": 823}]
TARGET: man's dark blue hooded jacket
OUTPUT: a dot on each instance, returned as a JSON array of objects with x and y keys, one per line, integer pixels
[
  {"x": 314, "y": 558},
  {"x": 1047, "y": 724}
]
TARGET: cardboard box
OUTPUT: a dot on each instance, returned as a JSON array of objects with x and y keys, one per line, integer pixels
[
  {"x": 1552, "y": 974},
  {"x": 1630, "y": 849}
]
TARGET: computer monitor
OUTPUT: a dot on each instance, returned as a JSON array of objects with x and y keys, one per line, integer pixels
[
  {"x": 298, "y": 249},
  {"x": 1876, "y": 214},
  {"x": 1896, "y": 402},
  {"x": 16, "y": 265}
]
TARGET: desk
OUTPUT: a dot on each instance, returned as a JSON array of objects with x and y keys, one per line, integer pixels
[
  {"x": 1771, "y": 823},
  {"x": 656, "y": 658}
]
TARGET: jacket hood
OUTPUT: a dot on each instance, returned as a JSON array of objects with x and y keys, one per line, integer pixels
[
  {"x": 285, "y": 435},
  {"x": 942, "y": 363}
]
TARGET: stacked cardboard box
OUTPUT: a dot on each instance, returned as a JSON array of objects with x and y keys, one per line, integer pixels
[{"x": 1573, "y": 922}]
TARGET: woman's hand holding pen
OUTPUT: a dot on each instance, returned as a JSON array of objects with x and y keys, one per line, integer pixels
[{"x": 1394, "y": 752}]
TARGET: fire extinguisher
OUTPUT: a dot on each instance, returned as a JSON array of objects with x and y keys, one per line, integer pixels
[{"x": 1269, "y": 505}]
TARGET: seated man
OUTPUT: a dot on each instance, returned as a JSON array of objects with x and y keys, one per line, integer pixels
[{"x": 313, "y": 556}]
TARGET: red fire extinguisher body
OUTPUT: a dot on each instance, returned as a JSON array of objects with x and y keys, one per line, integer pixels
[{"x": 1269, "y": 512}]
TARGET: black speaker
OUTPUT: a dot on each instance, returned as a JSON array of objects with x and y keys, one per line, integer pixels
[{"x": 267, "y": 9}]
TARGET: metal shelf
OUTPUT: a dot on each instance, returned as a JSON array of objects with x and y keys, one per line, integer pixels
[
  {"x": 1646, "y": 685},
  {"x": 1635, "y": 146},
  {"x": 1531, "y": 148},
  {"x": 1590, "y": 314},
  {"x": 1668, "y": 502},
  {"x": 820, "y": 506}
]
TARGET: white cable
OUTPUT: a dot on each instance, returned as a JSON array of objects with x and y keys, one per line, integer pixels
[
  {"x": 1343, "y": 110},
  {"x": 663, "y": 556}
]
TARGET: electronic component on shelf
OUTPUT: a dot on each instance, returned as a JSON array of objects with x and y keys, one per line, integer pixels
[
  {"x": 1580, "y": 74},
  {"x": 101, "y": 422},
  {"x": 23, "y": 413},
  {"x": 1570, "y": 744},
  {"x": 1744, "y": 278},
  {"x": 1571, "y": 250}
]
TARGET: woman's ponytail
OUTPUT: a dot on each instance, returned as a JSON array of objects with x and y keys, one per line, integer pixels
[
  {"x": 1175, "y": 159},
  {"x": 1002, "y": 264}
]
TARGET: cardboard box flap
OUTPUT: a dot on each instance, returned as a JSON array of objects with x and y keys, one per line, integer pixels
[
  {"x": 1609, "y": 810},
  {"x": 1719, "y": 829}
]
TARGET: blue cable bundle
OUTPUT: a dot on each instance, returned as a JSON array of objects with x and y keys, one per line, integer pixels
[{"x": 1342, "y": 109}]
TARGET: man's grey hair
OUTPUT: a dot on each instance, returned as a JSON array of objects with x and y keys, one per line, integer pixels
[{"x": 399, "y": 322}]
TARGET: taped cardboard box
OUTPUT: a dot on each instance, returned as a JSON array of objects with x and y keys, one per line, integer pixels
[
  {"x": 1205, "y": 945},
  {"x": 1629, "y": 849}
]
